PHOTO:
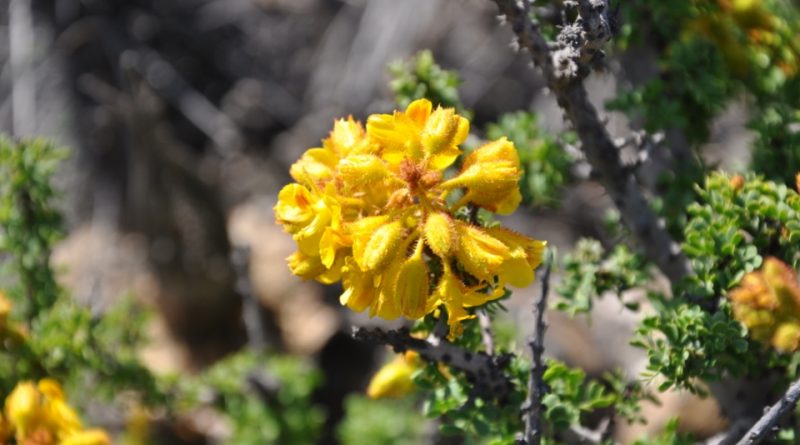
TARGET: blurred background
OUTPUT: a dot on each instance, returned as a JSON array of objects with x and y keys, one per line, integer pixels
[{"x": 183, "y": 117}]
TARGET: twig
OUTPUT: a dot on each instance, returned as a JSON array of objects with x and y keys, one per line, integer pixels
[
  {"x": 766, "y": 424},
  {"x": 532, "y": 407},
  {"x": 564, "y": 65},
  {"x": 487, "y": 372},
  {"x": 487, "y": 337}
]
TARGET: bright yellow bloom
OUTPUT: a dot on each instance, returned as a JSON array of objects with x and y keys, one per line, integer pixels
[
  {"x": 373, "y": 209},
  {"x": 40, "y": 414},
  {"x": 23, "y": 408},
  {"x": 491, "y": 176},
  {"x": 393, "y": 380},
  {"x": 767, "y": 302}
]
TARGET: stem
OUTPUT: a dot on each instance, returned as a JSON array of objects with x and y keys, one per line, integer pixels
[{"x": 532, "y": 407}]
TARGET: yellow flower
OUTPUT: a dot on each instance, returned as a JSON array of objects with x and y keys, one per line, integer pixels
[
  {"x": 480, "y": 253},
  {"x": 767, "y": 302},
  {"x": 491, "y": 176},
  {"x": 393, "y": 380},
  {"x": 372, "y": 208},
  {"x": 419, "y": 134},
  {"x": 411, "y": 286},
  {"x": 348, "y": 137},
  {"x": 40, "y": 414},
  {"x": 23, "y": 409}
]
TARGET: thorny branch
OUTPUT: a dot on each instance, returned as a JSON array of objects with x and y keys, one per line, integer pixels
[
  {"x": 486, "y": 372},
  {"x": 532, "y": 407},
  {"x": 565, "y": 63},
  {"x": 766, "y": 424}
]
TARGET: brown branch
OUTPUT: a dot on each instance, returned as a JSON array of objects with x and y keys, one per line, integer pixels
[
  {"x": 532, "y": 407},
  {"x": 486, "y": 372},
  {"x": 565, "y": 65}
]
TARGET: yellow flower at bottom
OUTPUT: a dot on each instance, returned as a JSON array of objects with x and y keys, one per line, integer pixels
[
  {"x": 40, "y": 415},
  {"x": 394, "y": 378},
  {"x": 23, "y": 408}
]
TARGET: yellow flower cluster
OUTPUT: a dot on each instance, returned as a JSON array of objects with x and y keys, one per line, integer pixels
[
  {"x": 767, "y": 302},
  {"x": 372, "y": 207},
  {"x": 40, "y": 415}
]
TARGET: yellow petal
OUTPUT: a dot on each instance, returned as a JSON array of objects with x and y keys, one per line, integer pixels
[
  {"x": 358, "y": 171},
  {"x": 443, "y": 132},
  {"x": 382, "y": 246},
  {"x": 392, "y": 380},
  {"x": 359, "y": 288},
  {"x": 305, "y": 266},
  {"x": 88, "y": 437},
  {"x": 419, "y": 111},
  {"x": 440, "y": 234},
  {"x": 451, "y": 291},
  {"x": 479, "y": 253},
  {"x": 411, "y": 287},
  {"x": 294, "y": 208},
  {"x": 525, "y": 255},
  {"x": 348, "y": 136},
  {"x": 316, "y": 165},
  {"x": 62, "y": 417},
  {"x": 23, "y": 408},
  {"x": 385, "y": 305},
  {"x": 491, "y": 175}
]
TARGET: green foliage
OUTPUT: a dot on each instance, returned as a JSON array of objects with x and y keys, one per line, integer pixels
[
  {"x": 487, "y": 422},
  {"x": 30, "y": 224},
  {"x": 545, "y": 163},
  {"x": 420, "y": 77},
  {"x": 730, "y": 230},
  {"x": 589, "y": 272},
  {"x": 570, "y": 395},
  {"x": 385, "y": 422},
  {"x": 266, "y": 399},
  {"x": 734, "y": 225},
  {"x": 64, "y": 340},
  {"x": 686, "y": 344}
]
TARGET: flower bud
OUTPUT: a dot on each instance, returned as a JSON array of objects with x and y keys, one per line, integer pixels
[{"x": 440, "y": 234}]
